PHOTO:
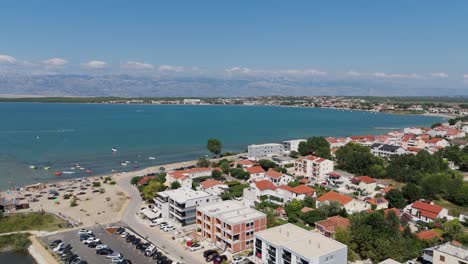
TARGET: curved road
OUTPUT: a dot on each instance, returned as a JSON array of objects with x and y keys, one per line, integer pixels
[{"x": 130, "y": 218}]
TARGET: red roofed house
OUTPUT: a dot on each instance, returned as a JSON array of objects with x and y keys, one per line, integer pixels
[
  {"x": 313, "y": 167},
  {"x": 365, "y": 183},
  {"x": 256, "y": 173},
  {"x": 363, "y": 140},
  {"x": 277, "y": 178},
  {"x": 428, "y": 235},
  {"x": 329, "y": 226},
  {"x": 437, "y": 142},
  {"x": 144, "y": 180},
  {"x": 350, "y": 204},
  {"x": 426, "y": 212},
  {"x": 387, "y": 189},
  {"x": 265, "y": 190},
  {"x": 214, "y": 187},
  {"x": 184, "y": 177},
  {"x": 379, "y": 203},
  {"x": 245, "y": 163}
]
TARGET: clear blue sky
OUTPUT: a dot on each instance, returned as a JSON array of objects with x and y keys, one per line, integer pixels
[{"x": 334, "y": 36}]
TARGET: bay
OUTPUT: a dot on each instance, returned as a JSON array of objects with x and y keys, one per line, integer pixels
[{"x": 61, "y": 135}]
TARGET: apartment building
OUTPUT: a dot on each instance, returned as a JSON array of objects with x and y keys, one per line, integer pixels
[
  {"x": 290, "y": 244},
  {"x": 180, "y": 205},
  {"x": 449, "y": 253},
  {"x": 386, "y": 150},
  {"x": 292, "y": 145},
  {"x": 256, "y": 152},
  {"x": 313, "y": 167},
  {"x": 230, "y": 225}
]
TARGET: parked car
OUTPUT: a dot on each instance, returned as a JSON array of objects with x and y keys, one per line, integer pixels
[
  {"x": 195, "y": 247},
  {"x": 136, "y": 241},
  {"x": 124, "y": 234},
  {"x": 104, "y": 251},
  {"x": 101, "y": 246},
  {"x": 208, "y": 252},
  {"x": 55, "y": 243},
  {"x": 156, "y": 222},
  {"x": 163, "y": 224},
  {"x": 168, "y": 228},
  {"x": 125, "y": 261},
  {"x": 116, "y": 260},
  {"x": 114, "y": 255},
  {"x": 130, "y": 238},
  {"x": 84, "y": 231},
  {"x": 220, "y": 259},
  {"x": 91, "y": 239},
  {"x": 211, "y": 257},
  {"x": 59, "y": 246},
  {"x": 238, "y": 259},
  {"x": 92, "y": 245},
  {"x": 120, "y": 230}
]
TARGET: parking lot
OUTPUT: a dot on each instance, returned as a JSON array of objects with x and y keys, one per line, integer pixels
[{"x": 115, "y": 242}]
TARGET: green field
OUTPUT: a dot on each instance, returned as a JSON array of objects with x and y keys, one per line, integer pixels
[
  {"x": 29, "y": 221},
  {"x": 17, "y": 242}
]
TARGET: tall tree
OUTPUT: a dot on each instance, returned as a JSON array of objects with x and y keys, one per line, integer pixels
[
  {"x": 214, "y": 146},
  {"x": 395, "y": 199}
]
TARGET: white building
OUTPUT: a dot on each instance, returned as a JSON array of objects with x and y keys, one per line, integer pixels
[
  {"x": 278, "y": 178},
  {"x": 180, "y": 205},
  {"x": 413, "y": 130},
  {"x": 385, "y": 150},
  {"x": 256, "y": 152},
  {"x": 214, "y": 187},
  {"x": 266, "y": 191},
  {"x": 313, "y": 167},
  {"x": 289, "y": 243},
  {"x": 449, "y": 253},
  {"x": 292, "y": 145},
  {"x": 426, "y": 212},
  {"x": 350, "y": 204}
]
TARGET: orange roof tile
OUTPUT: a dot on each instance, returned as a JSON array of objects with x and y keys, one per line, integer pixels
[
  {"x": 427, "y": 210},
  {"x": 273, "y": 174},
  {"x": 376, "y": 201},
  {"x": 264, "y": 185},
  {"x": 331, "y": 223},
  {"x": 255, "y": 169},
  {"x": 428, "y": 235},
  {"x": 210, "y": 183},
  {"x": 333, "y": 196},
  {"x": 245, "y": 162}
]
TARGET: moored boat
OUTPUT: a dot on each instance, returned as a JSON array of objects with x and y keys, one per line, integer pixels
[{"x": 57, "y": 173}]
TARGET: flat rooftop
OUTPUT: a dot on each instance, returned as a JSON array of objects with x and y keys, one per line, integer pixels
[
  {"x": 266, "y": 144},
  {"x": 182, "y": 195},
  {"x": 232, "y": 212},
  {"x": 300, "y": 241},
  {"x": 450, "y": 249}
]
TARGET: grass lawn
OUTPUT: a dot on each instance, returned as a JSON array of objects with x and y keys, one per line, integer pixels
[
  {"x": 453, "y": 209},
  {"x": 29, "y": 221},
  {"x": 17, "y": 242}
]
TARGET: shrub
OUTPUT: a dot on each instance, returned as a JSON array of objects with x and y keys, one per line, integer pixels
[{"x": 96, "y": 184}]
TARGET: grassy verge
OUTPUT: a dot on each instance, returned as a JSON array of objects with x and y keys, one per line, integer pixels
[
  {"x": 29, "y": 221},
  {"x": 17, "y": 242},
  {"x": 453, "y": 209}
]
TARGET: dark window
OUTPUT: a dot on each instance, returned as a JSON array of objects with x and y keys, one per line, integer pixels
[{"x": 442, "y": 258}]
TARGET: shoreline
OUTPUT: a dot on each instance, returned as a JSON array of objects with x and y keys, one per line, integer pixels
[{"x": 445, "y": 116}]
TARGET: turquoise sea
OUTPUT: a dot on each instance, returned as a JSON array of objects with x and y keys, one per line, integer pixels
[{"x": 61, "y": 135}]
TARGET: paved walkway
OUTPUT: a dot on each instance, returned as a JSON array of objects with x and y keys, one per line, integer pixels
[{"x": 39, "y": 253}]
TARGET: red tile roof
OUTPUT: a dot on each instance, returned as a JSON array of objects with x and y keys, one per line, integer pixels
[
  {"x": 255, "y": 169},
  {"x": 273, "y": 174},
  {"x": 210, "y": 183},
  {"x": 331, "y": 223},
  {"x": 428, "y": 235},
  {"x": 245, "y": 162},
  {"x": 427, "y": 210},
  {"x": 303, "y": 189},
  {"x": 183, "y": 173},
  {"x": 333, "y": 196},
  {"x": 145, "y": 179},
  {"x": 264, "y": 185},
  {"x": 388, "y": 188},
  {"x": 366, "y": 179}
]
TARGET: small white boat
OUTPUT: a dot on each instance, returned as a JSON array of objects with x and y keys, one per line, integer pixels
[
  {"x": 46, "y": 168},
  {"x": 33, "y": 167},
  {"x": 123, "y": 164},
  {"x": 151, "y": 158},
  {"x": 114, "y": 150},
  {"x": 68, "y": 172}
]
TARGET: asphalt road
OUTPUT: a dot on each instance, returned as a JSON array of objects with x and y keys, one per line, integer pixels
[
  {"x": 154, "y": 235},
  {"x": 115, "y": 242}
]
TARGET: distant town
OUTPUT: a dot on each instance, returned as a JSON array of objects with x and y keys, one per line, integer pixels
[
  {"x": 446, "y": 106},
  {"x": 400, "y": 197}
]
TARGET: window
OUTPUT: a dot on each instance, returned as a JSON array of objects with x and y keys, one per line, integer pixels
[{"x": 442, "y": 258}]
